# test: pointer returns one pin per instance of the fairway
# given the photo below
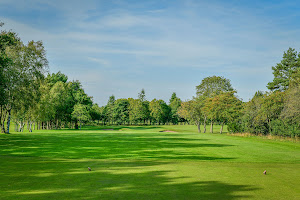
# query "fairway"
(143, 162)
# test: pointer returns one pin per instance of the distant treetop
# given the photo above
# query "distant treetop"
(213, 85)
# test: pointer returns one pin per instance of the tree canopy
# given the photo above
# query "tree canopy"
(213, 85)
(284, 71)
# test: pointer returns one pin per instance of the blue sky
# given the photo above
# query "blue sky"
(164, 46)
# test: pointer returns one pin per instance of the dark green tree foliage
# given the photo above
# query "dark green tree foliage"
(271, 108)
(53, 78)
(145, 106)
(159, 111)
(284, 70)
(110, 108)
(121, 111)
(262, 113)
(174, 104)
(136, 108)
(95, 112)
(252, 121)
(142, 95)
(213, 85)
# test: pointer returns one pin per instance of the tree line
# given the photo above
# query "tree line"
(30, 96)
(275, 112)
(138, 111)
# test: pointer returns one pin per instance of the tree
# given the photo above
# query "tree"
(45, 107)
(284, 70)
(271, 107)
(81, 113)
(224, 107)
(213, 85)
(145, 106)
(142, 95)
(192, 111)
(291, 109)
(121, 111)
(174, 104)
(159, 111)
(136, 108)
(252, 121)
(59, 98)
(24, 65)
(110, 108)
(95, 112)
(8, 41)
(206, 91)
(54, 78)
(211, 110)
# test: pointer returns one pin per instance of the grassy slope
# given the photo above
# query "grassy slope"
(143, 163)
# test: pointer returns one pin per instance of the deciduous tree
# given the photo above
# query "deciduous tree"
(213, 85)
(81, 113)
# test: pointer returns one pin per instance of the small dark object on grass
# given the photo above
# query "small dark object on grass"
(89, 169)
(265, 172)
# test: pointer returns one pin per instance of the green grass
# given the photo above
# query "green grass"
(144, 163)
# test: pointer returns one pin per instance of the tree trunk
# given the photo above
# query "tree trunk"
(3, 117)
(8, 121)
(211, 126)
(270, 129)
(30, 126)
(22, 124)
(198, 126)
(76, 125)
(221, 130)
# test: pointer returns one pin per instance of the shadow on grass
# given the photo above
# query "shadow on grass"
(109, 146)
(34, 178)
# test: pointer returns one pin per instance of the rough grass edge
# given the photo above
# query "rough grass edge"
(269, 137)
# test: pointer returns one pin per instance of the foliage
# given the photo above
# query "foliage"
(22, 67)
(284, 70)
(159, 111)
(142, 95)
(121, 112)
(192, 111)
(213, 85)
(95, 112)
(174, 104)
(81, 113)
(291, 109)
(224, 107)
